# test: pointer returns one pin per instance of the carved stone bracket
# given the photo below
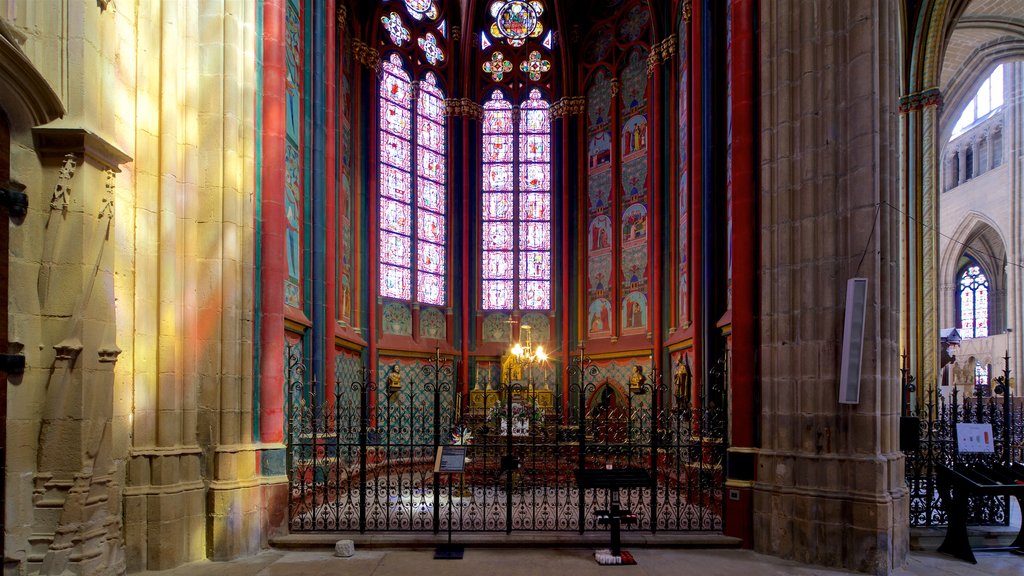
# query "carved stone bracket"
(687, 12)
(456, 33)
(68, 349)
(108, 354)
(366, 54)
(463, 107)
(569, 106)
(919, 100)
(57, 144)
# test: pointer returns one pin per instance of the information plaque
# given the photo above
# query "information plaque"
(450, 460)
(974, 438)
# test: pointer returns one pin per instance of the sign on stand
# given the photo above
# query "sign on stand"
(450, 460)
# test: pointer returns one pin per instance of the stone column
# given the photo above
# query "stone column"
(164, 499)
(830, 487)
(223, 329)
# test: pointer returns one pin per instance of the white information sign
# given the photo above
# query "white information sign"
(974, 438)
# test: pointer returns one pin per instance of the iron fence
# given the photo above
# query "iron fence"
(361, 454)
(936, 421)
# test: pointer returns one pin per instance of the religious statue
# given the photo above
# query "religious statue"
(395, 379)
(681, 381)
(637, 379)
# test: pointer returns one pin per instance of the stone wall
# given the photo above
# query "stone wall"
(132, 292)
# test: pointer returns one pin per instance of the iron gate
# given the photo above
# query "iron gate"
(361, 455)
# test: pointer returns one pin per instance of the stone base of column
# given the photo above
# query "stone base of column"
(854, 529)
(235, 521)
(164, 510)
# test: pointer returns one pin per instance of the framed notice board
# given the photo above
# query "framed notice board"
(450, 459)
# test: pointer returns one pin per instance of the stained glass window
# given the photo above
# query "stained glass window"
(393, 24)
(395, 131)
(516, 20)
(980, 374)
(431, 201)
(431, 50)
(498, 204)
(973, 302)
(412, 164)
(516, 212)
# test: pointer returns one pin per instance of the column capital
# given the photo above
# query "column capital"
(918, 100)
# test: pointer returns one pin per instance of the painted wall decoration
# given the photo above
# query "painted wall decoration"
(496, 328)
(617, 243)
(635, 23)
(599, 317)
(294, 196)
(634, 266)
(634, 192)
(683, 191)
(346, 198)
(599, 236)
(634, 313)
(396, 318)
(432, 324)
(600, 232)
(599, 273)
(539, 325)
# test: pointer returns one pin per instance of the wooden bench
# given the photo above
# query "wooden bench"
(962, 481)
(613, 480)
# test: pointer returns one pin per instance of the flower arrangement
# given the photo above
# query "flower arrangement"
(522, 417)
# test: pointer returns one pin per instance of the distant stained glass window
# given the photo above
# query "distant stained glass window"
(516, 21)
(973, 302)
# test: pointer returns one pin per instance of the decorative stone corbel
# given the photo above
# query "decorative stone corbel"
(456, 33)
(68, 349)
(569, 106)
(108, 354)
(365, 54)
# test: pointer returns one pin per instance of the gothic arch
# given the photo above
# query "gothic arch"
(979, 238)
(931, 25)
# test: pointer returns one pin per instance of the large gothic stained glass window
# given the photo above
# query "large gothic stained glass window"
(973, 301)
(412, 157)
(516, 234)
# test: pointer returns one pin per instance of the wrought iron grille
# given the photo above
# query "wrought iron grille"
(938, 417)
(361, 454)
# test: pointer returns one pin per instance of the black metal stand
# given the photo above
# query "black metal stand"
(449, 552)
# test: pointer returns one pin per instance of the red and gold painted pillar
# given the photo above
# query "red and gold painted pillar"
(741, 458)
(272, 229)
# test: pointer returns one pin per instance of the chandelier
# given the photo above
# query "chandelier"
(522, 355)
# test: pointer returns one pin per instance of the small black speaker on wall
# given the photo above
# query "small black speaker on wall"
(853, 340)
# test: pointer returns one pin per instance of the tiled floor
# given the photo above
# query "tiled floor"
(569, 562)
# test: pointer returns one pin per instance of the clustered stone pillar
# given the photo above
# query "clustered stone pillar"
(830, 486)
